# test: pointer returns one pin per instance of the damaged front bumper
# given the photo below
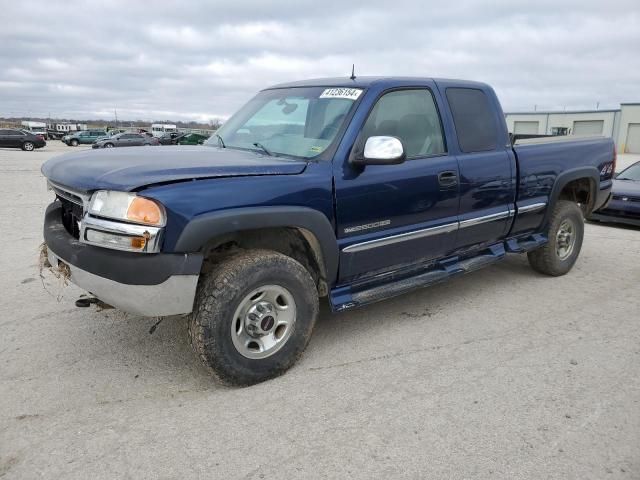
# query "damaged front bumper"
(159, 284)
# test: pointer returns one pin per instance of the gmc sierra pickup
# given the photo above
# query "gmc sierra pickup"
(351, 189)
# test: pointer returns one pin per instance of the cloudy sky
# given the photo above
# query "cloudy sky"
(199, 60)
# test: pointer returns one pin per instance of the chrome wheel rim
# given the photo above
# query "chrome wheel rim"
(565, 239)
(108, 145)
(263, 322)
(28, 146)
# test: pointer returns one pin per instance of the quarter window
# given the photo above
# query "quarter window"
(474, 120)
(411, 116)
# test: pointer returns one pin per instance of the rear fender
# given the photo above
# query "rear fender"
(590, 173)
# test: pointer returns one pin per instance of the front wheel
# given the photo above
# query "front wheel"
(74, 143)
(28, 146)
(108, 145)
(253, 316)
(566, 232)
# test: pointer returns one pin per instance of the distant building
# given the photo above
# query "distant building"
(623, 124)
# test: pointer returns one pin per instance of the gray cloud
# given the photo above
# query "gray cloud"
(201, 60)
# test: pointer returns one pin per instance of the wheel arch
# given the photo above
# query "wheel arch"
(577, 184)
(303, 233)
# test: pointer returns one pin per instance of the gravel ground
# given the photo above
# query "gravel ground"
(502, 373)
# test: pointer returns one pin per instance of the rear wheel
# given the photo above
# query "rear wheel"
(566, 232)
(28, 146)
(253, 316)
(108, 145)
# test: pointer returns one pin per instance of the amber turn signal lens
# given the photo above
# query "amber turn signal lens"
(138, 242)
(146, 211)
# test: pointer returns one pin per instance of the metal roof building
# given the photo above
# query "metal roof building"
(623, 124)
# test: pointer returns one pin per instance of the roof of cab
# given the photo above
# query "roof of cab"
(365, 82)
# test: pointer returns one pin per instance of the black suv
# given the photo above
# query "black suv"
(20, 139)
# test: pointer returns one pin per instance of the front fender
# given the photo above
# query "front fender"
(203, 228)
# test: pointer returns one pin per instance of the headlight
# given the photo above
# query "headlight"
(127, 207)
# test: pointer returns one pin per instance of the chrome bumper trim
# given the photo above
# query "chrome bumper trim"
(152, 234)
(174, 296)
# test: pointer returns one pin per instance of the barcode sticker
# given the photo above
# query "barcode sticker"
(348, 93)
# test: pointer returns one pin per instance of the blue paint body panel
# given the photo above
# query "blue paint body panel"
(395, 226)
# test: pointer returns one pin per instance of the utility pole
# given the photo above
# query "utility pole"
(115, 112)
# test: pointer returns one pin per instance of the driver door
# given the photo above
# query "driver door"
(389, 216)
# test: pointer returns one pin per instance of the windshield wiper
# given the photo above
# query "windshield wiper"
(263, 148)
(220, 141)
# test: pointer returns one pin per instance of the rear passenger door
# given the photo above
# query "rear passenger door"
(487, 167)
(391, 216)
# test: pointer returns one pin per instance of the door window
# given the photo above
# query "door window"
(411, 116)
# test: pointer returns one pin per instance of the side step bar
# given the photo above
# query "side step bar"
(396, 283)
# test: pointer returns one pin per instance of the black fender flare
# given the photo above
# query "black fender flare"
(570, 175)
(206, 227)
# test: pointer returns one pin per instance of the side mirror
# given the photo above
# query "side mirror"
(382, 151)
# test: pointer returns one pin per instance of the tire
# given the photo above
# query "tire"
(566, 233)
(220, 320)
(74, 143)
(28, 146)
(108, 145)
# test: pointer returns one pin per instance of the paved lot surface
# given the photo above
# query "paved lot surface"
(503, 373)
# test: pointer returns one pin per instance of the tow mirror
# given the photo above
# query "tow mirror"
(382, 150)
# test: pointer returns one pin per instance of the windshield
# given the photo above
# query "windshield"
(296, 122)
(631, 173)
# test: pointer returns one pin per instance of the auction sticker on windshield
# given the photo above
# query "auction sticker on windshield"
(348, 93)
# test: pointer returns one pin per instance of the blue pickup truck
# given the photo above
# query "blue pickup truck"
(352, 189)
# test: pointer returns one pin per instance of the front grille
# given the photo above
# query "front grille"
(74, 204)
(66, 195)
(71, 215)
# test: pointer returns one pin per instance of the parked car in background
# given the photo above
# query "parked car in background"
(84, 137)
(624, 206)
(127, 140)
(13, 138)
(37, 128)
(192, 139)
(110, 133)
(170, 138)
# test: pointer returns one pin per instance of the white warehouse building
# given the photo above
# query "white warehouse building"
(623, 124)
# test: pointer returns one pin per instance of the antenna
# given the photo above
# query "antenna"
(353, 71)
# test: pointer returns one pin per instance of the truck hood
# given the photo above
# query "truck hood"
(130, 168)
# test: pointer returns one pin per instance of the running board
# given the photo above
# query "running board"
(397, 283)
(525, 244)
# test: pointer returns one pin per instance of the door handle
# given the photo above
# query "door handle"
(448, 178)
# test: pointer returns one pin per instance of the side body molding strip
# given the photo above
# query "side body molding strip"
(426, 232)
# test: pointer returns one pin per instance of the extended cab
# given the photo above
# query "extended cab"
(351, 189)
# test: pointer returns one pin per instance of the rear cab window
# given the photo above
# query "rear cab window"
(473, 118)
